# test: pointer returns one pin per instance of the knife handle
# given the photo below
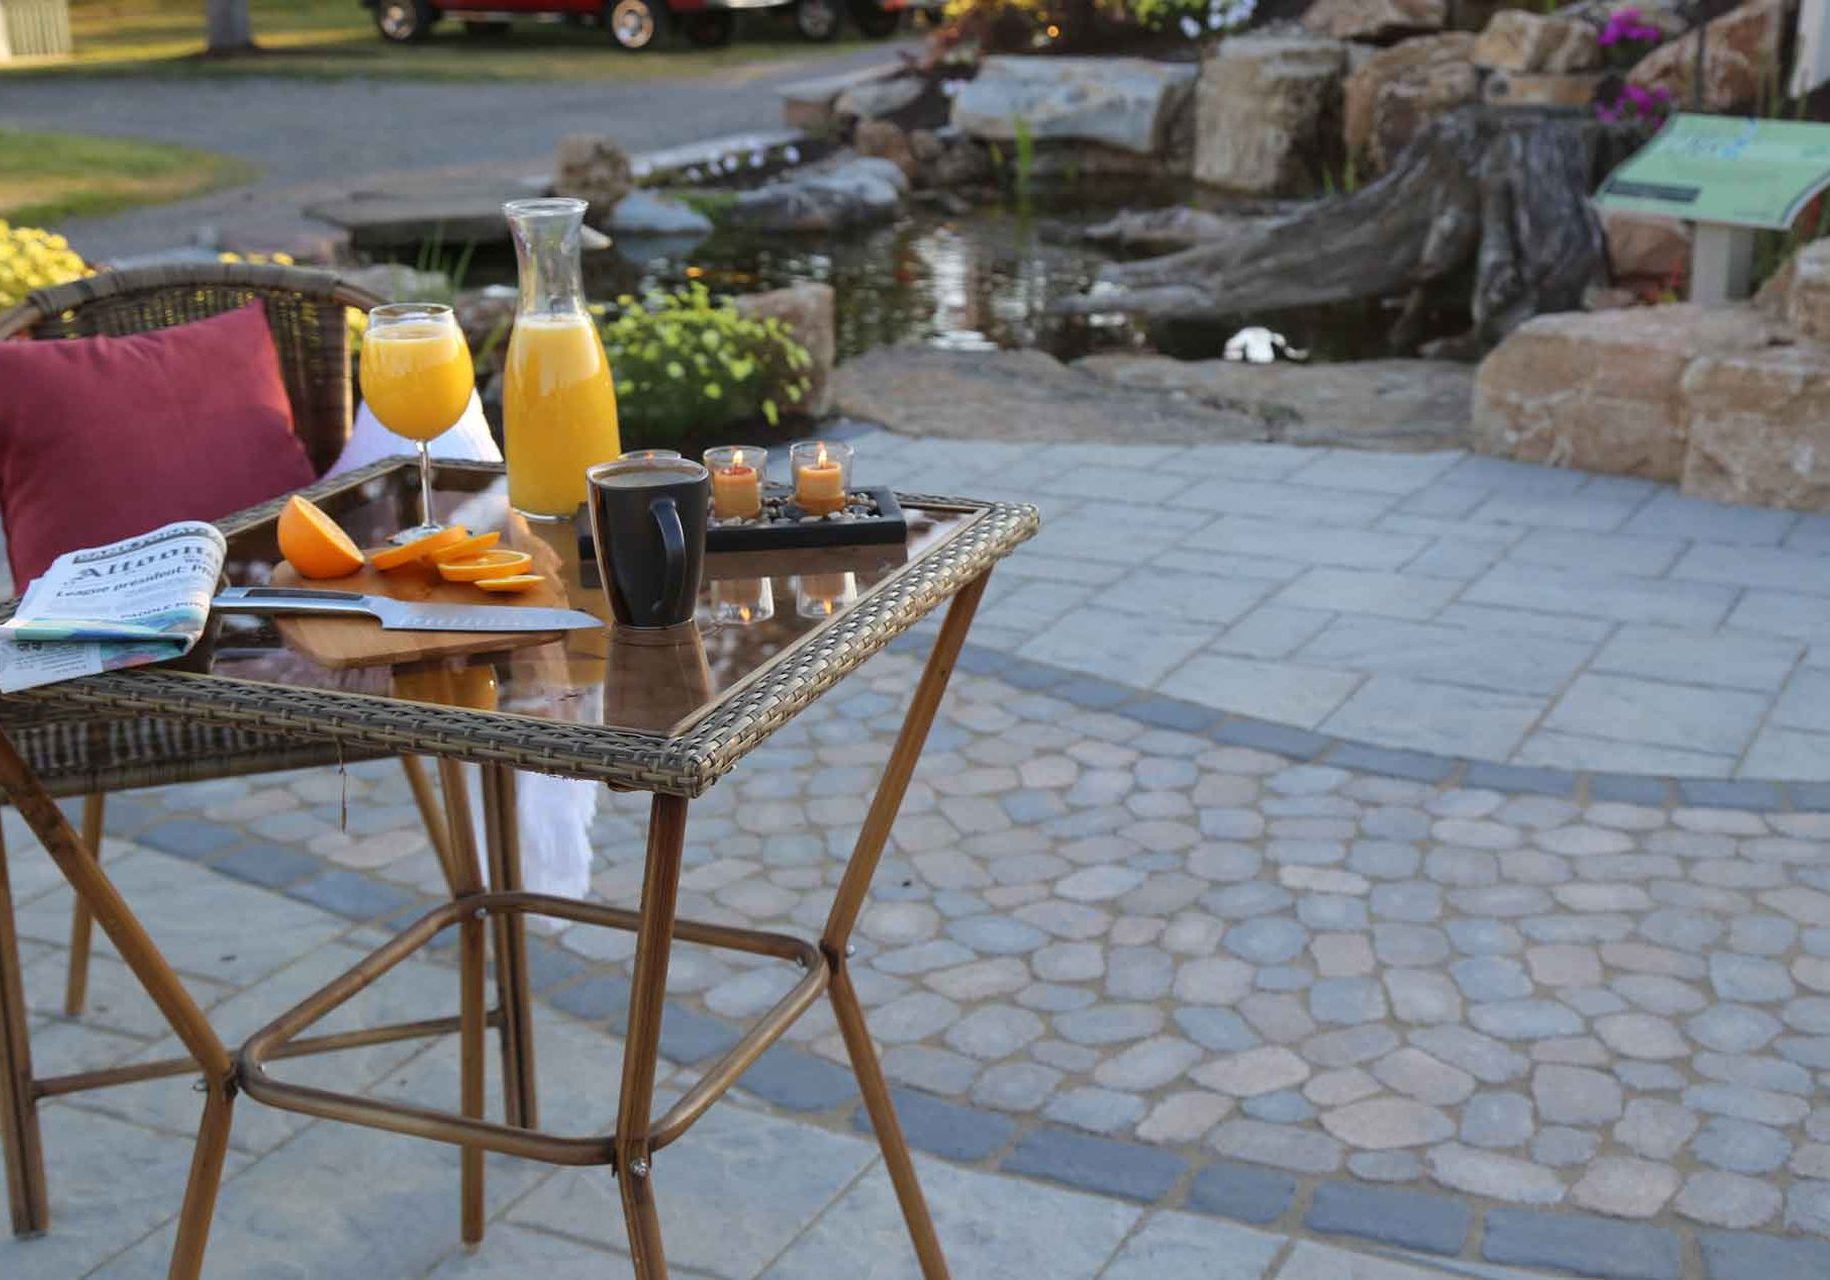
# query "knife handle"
(289, 600)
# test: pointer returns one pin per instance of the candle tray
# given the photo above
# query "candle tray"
(872, 516)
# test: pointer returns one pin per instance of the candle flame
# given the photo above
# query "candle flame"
(820, 461)
(737, 458)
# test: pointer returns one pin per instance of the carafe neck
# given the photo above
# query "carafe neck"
(548, 242)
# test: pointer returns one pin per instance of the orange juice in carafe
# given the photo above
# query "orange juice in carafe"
(558, 402)
(558, 412)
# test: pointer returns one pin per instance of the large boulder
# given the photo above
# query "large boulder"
(1371, 74)
(1603, 391)
(1263, 111)
(1375, 19)
(855, 191)
(1375, 404)
(1646, 246)
(1541, 89)
(1740, 55)
(1520, 41)
(1410, 104)
(816, 105)
(1369, 404)
(1799, 292)
(808, 311)
(1126, 103)
(1759, 425)
(595, 169)
(887, 141)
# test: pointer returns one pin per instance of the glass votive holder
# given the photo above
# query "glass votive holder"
(647, 455)
(742, 602)
(820, 595)
(737, 476)
(822, 475)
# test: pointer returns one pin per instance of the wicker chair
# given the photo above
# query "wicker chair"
(92, 757)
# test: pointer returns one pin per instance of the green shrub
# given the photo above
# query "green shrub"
(684, 362)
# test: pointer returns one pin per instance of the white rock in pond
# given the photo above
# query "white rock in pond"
(1126, 103)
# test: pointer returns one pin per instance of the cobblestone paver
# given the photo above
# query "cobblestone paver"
(1089, 923)
(1448, 603)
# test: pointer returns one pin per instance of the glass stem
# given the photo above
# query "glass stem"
(425, 483)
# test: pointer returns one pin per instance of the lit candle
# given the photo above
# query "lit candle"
(820, 474)
(737, 472)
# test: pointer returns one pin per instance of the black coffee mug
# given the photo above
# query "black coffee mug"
(648, 519)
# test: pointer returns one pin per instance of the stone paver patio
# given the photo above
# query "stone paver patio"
(1446, 603)
(1192, 966)
(753, 1191)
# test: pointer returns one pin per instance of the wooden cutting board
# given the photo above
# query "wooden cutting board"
(338, 643)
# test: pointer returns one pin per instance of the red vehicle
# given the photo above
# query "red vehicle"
(636, 24)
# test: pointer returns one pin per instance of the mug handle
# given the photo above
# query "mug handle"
(673, 602)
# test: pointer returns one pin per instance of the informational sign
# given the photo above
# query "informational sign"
(1728, 170)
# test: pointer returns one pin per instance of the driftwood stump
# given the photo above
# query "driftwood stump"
(1498, 196)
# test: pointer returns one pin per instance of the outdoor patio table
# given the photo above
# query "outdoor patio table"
(668, 720)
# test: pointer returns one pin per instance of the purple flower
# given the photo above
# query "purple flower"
(1627, 26)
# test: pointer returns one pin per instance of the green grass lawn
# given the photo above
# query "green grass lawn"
(45, 177)
(335, 39)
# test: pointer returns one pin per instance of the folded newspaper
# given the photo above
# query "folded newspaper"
(143, 599)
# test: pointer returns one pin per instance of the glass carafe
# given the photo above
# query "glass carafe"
(558, 403)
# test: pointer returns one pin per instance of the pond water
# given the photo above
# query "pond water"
(985, 279)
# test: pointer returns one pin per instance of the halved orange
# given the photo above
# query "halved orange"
(314, 544)
(513, 583)
(473, 545)
(411, 552)
(491, 564)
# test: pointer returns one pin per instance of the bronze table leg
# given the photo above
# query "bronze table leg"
(141, 955)
(647, 995)
(502, 835)
(21, 1150)
(849, 901)
(466, 880)
(76, 981)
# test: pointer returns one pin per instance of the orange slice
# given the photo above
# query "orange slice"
(512, 583)
(475, 544)
(314, 544)
(411, 552)
(491, 564)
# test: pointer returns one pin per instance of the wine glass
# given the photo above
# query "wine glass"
(417, 380)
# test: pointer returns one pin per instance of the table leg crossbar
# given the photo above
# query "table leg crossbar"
(502, 907)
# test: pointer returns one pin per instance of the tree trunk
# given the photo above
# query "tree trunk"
(1501, 195)
(230, 28)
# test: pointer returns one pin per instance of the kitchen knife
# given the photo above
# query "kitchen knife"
(403, 615)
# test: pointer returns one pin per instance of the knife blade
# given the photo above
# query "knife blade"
(403, 615)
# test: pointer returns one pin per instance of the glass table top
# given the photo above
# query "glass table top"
(754, 607)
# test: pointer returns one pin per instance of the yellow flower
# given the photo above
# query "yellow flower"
(34, 259)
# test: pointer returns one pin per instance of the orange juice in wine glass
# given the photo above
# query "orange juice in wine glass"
(417, 380)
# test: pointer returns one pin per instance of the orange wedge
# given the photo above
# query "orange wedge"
(491, 564)
(412, 552)
(512, 583)
(475, 544)
(314, 544)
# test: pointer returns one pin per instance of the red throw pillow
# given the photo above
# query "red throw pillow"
(103, 438)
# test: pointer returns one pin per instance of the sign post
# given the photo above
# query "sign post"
(1731, 176)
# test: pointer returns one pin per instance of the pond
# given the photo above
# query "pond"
(983, 279)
